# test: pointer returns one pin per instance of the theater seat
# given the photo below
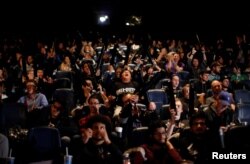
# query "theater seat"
(44, 143)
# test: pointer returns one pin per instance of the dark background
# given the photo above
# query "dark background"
(158, 16)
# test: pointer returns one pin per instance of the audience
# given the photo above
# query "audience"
(29, 78)
(97, 146)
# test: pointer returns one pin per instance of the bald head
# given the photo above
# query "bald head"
(216, 86)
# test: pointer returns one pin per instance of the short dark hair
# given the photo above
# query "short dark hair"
(63, 104)
(95, 96)
(154, 125)
(197, 115)
(31, 81)
(204, 72)
(101, 119)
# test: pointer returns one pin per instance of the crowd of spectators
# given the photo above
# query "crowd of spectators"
(110, 78)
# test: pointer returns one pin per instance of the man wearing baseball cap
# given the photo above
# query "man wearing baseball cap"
(220, 115)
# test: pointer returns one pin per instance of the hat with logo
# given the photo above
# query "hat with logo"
(224, 97)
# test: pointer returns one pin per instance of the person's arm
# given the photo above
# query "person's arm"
(21, 100)
(106, 138)
(86, 134)
(43, 101)
(171, 125)
(104, 97)
(173, 152)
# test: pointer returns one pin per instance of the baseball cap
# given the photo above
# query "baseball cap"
(224, 97)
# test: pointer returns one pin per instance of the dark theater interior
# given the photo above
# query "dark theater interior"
(124, 82)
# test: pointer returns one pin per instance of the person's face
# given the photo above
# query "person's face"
(30, 88)
(186, 92)
(60, 46)
(67, 60)
(179, 109)
(89, 84)
(105, 57)
(160, 135)
(221, 60)
(43, 50)
(118, 72)
(39, 73)
(225, 83)
(195, 62)
(126, 76)
(216, 87)
(205, 77)
(175, 81)
(55, 109)
(94, 106)
(199, 126)
(87, 49)
(98, 129)
(217, 69)
(31, 75)
(150, 71)
(163, 51)
(86, 69)
(29, 59)
(176, 57)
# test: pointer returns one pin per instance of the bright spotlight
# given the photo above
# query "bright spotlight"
(103, 20)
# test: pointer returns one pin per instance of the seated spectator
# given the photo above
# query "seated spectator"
(176, 86)
(150, 115)
(50, 115)
(66, 64)
(126, 86)
(220, 114)
(238, 78)
(201, 86)
(96, 145)
(216, 88)
(215, 72)
(195, 143)
(178, 119)
(226, 84)
(94, 107)
(53, 116)
(32, 99)
(186, 99)
(158, 149)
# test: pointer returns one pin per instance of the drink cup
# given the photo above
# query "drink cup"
(10, 160)
(244, 123)
(119, 129)
(68, 159)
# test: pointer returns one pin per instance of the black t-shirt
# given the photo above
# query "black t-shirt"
(121, 88)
